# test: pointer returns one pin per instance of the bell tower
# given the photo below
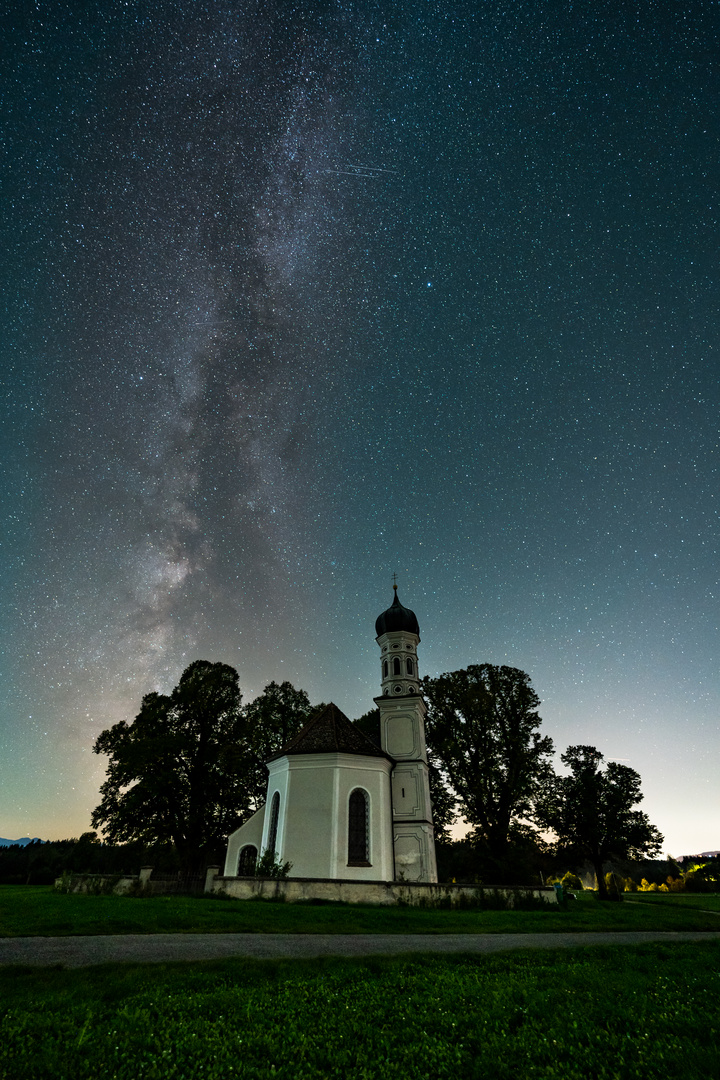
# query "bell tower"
(402, 737)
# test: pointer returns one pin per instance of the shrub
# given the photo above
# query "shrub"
(615, 884)
(269, 866)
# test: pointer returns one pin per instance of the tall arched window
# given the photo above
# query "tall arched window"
(274, 815)
(358, 829)
(396, 666)
(385, 669)
(247, 861)
(409, 665)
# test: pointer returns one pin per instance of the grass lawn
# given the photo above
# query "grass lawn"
(707, 901)
(607, 1013)
(37, 910)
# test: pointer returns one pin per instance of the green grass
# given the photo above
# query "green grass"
(706, 901)
(37, 910)
(609, 1013)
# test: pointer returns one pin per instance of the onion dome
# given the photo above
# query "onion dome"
(396, 618)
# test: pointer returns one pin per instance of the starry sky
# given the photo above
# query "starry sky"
(297, 296)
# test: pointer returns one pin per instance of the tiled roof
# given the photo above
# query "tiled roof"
(330, 732)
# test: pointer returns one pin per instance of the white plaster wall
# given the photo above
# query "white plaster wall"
(373, 776)
(414, 853)
(317, 790)
(307, 836)
(278, 780)
(402, 725)
(250, 832)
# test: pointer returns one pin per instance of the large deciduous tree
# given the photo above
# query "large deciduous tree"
(190, 768)
(484, 746)
(271, 720)
(591, 811)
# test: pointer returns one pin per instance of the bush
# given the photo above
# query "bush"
(615, 885)
(269, 866)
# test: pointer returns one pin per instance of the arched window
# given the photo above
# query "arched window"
(274, 815)
(247, 861)
(358, 829)
(385, 669)
(396, 666)
(409, 665)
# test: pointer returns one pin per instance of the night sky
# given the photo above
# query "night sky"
(298, 296)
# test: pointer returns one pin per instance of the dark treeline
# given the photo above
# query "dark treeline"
(40, 863)
(528, 862)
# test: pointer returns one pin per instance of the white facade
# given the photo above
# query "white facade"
(347, 809)
(313, 819)
(402, 736)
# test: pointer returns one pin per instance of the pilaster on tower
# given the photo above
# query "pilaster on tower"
(402, 736)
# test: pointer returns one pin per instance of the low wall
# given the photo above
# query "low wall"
(329, 890)
(385, 893)
(97, 884)
(141, 885)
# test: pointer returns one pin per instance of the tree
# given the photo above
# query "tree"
(190, 768)
(271, 721)
(369, 724)
(591, 812)
(485, 750)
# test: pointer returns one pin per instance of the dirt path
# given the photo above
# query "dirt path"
(75, 952)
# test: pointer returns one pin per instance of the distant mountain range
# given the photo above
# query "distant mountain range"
(22, 841)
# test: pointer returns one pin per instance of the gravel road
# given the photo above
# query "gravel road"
(74, 952)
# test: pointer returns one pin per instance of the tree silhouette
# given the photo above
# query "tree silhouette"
(591, 812)
(485, 750)
(190, 767)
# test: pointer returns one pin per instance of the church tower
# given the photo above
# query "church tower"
(402, 737)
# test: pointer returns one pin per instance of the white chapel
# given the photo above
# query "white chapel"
(340, 806)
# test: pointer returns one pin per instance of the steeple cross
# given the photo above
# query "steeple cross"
(395, 582)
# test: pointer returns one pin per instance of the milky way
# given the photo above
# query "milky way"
(299, 297)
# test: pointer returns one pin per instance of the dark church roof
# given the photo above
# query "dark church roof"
(396, 617)
(330, 732)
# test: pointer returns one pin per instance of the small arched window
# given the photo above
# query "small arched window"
(247, 861)
(409, 665)
(396, 666)
(385, 669)
(358, 829)
(274, 815)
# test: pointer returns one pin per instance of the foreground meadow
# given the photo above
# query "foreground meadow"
(609, 1013)
(37, 910)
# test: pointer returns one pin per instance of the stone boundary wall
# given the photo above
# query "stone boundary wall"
(97, 884)
(383, 893)
(124, 884)
(329, 890)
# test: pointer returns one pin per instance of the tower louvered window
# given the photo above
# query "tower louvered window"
(409, 665)
(358, 829)
(274, 815)
(396, 666)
